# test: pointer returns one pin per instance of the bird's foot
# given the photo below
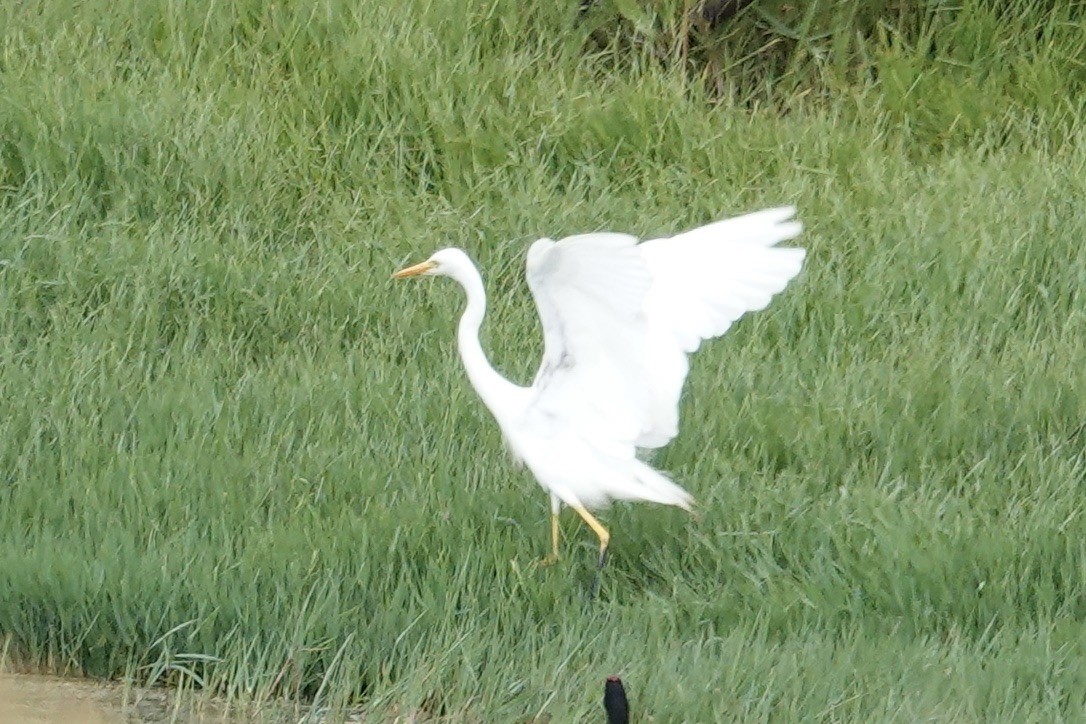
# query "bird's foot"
(548, 560)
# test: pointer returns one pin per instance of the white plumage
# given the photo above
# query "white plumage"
(619, 321)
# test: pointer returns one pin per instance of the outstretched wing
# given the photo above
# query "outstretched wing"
(702, 281)
(590, 291)
(619, 319)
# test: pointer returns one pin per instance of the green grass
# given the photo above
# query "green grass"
(234, 454)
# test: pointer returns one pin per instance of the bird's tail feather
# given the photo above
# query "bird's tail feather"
(652, 486)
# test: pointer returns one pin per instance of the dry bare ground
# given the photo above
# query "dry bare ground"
(41, 699)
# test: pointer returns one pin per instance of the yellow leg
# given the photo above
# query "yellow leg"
(553, 557)
(600, 530)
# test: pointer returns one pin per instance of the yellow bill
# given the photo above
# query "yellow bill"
(415, 270)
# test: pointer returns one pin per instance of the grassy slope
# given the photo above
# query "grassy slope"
(226, 434)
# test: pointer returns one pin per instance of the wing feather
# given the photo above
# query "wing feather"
(619, 320)
(590, 291)
(704, 280)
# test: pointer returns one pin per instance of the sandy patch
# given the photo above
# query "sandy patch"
(41, 699)
(32, 699)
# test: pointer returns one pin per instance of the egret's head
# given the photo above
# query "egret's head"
(447, 262)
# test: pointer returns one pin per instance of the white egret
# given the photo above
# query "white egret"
(619, 319)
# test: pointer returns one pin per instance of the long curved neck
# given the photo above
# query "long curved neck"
(496, 391)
